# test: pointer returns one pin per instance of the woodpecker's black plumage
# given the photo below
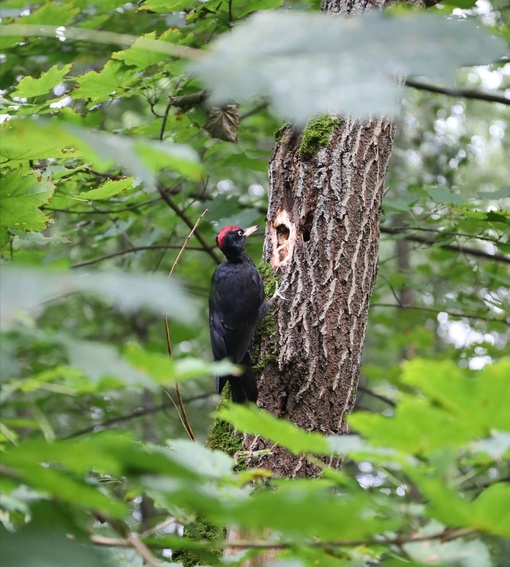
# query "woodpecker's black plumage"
(236, 304)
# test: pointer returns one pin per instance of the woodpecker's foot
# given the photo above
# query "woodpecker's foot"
(278, 294)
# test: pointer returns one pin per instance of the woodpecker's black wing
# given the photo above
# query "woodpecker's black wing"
(235, 298)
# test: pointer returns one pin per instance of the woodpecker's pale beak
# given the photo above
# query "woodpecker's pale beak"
(251, 230)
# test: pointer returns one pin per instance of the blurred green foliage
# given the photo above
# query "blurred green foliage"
(107, 161)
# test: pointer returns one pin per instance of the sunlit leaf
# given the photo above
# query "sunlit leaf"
(98, 86)
(21, 196)
(139, 56)
(259, 422)
(57, 139)
(109, 189)
(29, 87)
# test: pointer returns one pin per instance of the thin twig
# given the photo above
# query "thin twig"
(453, 247)
(143, 550)
(133, 415)
(131, 251)
(165, 118)
(103, 211)
(183, 216)
(445, 535)
(463, 93)
(384, 399)
(181, 419)
(158, 527)
(406, 228)
(186, 241)
(183, 415)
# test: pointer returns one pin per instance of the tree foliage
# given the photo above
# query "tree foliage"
(110, 153)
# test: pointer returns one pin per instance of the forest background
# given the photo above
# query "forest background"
(111, 155)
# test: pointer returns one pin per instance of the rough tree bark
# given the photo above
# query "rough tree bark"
(322, 240)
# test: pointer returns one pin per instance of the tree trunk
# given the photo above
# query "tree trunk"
(322, 241)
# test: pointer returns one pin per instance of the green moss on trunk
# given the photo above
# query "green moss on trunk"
(316, 135)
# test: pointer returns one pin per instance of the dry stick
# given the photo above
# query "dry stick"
(184, 217)
(186, 426)
(183, 415)
(186, 242)
(143, 550)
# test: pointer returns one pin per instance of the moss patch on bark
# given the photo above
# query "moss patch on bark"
(316, 135)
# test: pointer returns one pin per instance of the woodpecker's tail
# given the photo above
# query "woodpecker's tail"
(243, 387)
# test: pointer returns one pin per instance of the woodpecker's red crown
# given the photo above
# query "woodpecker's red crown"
(223, 233)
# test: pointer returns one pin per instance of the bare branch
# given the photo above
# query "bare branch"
(463, 93)
(143, 550)
(445, 535)
(372, 394)
(453, 247)
(132, 251)
(450, 313)
(133, 415)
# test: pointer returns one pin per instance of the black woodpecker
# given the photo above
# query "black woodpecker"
(236, 305)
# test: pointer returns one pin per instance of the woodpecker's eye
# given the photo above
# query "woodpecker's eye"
(240, 232)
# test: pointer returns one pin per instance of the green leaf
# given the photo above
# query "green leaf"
(502, 193)
(29, 87)
(157, 365)
(112, 80)
(21, 196)
(497, 446)
(203, 461)
(141, 57)
(109, 189)
(43, 142)
(24, 289)
(164, 155)
(479, 403)
(259, 422)
(54, 548)
(52, 14)
(416, 428)
(491, 510)
(441, 194)
(245, 7)
(293, 59)
(98, 361)
(167, 6)
(58, 139)
(468, 553)
(464, 4)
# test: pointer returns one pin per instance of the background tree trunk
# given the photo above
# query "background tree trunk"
(322, 240)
